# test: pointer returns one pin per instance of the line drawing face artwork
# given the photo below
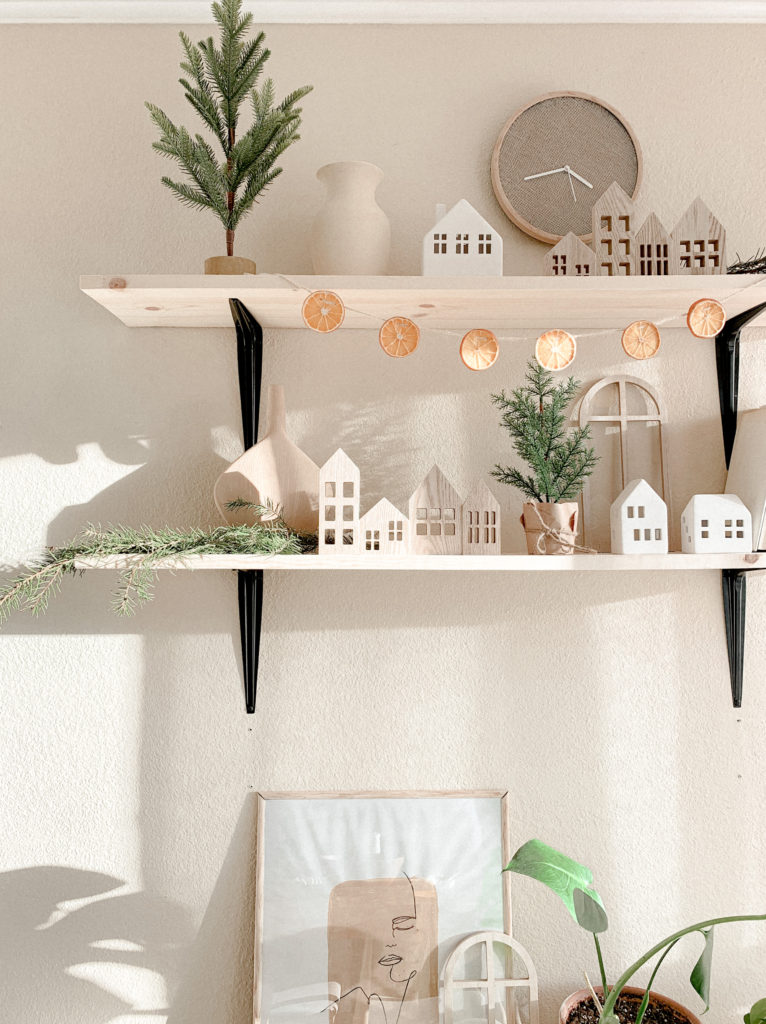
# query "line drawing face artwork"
(382, 941)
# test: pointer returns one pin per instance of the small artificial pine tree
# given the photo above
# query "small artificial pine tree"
(219, 81)
(535, 417)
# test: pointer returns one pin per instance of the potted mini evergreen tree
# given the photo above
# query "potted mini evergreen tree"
(217, 80)
(558, 457)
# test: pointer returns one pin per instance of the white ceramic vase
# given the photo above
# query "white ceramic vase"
(350, 234)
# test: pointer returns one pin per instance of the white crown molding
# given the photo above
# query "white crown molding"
(389, 11)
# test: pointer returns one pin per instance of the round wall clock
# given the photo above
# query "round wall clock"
(555, 157)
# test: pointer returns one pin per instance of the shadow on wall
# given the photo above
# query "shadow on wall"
(76, 963)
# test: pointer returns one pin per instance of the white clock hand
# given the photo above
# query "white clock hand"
(571, 183)
(544, 174)
(576, 175)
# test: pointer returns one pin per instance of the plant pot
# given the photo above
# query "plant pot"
(229, 265)
(584, 996)
(558, 516)
(350, 234)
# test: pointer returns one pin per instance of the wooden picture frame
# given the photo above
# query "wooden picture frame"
(314, 855)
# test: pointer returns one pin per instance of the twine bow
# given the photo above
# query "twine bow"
(560, 535)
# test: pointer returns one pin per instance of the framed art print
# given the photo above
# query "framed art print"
(360, 898)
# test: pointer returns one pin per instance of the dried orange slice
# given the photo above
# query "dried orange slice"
(555, 350)
(399, 336)
(641, 339)
(479, 349)
(323, 312)
(705, 318)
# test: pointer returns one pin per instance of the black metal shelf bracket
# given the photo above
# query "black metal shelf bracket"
(733, 581)
(249, 581)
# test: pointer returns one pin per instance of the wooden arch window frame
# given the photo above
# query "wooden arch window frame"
(654, 412)
(498, 989)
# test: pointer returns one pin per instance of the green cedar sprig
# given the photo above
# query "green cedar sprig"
(217, 80)
(535, 417)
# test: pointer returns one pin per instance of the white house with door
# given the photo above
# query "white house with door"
(481, 522)
(339, 506)
(716, 522)
(436, 517)
(639, 521)
(462, 243)
(384, 530)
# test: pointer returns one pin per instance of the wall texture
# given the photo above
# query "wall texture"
(601, 704)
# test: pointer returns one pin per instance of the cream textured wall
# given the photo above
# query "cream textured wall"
(601, 703)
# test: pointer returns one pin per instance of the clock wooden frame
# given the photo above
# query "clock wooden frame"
(506, 205)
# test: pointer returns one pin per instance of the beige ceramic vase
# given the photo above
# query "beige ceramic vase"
(558, 516)
(350, 234)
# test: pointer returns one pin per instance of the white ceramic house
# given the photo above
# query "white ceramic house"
(384, 530)
(436, 517)
(481, 522)
(462, 243)
(639, 521)
(716, 522)
(339, 506)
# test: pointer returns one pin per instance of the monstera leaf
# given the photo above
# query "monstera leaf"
(571, 881)
(700, 976)
(757, 1013)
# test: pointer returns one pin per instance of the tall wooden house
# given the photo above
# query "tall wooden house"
(570, 257)
(698, 242)
(481, 522)
(614, 232)
(339, 505)
(436, 517)
(653, 247)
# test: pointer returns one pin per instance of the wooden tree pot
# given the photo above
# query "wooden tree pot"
(584, 996)
(558, 516)
(229, 265)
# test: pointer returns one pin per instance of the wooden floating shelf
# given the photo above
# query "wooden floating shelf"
(446, 563)
(445, 303)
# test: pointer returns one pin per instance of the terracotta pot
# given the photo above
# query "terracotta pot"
(559, 516)
(584, 996)
(350, 234)
(229, 265)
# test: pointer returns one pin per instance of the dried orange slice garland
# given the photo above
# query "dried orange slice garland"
(398, 336)
(323, 312)
(479, 349)
(555, 350)
(705, 318)
(641, 339)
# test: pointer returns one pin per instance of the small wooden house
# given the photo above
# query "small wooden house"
(481, 522)
(639, 521)
(436, 517)
(653, 248)
(462, 243)
(384, 530)
(570, 257)
(716, 522)
(339, 505)
(698, 242)
(614, 232)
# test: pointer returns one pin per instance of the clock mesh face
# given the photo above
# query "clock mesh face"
(550, 134)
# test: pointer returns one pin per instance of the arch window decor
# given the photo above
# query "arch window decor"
(624, 389)
(475, 967)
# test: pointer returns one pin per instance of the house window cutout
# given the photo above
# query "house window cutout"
(641, 511)
(421, 513)
(704, 534)
(440, 244)
(421, 529)
(372, 540)
(631, 511)
(329, 513)
(559, 265)
(606, 223)
(434, 513)
(329, 489)
(624, 220)
(436, 529)
(449, 513)
(348, 488)
(485, 245)
(449, 529)
(647, 534)
(636, 535)
(607, 269)
(740, 534)
(625, 267)
(348, 513)
(348, 537)
(461, 245)
(658, 534)
(329, 536)
(704, 522)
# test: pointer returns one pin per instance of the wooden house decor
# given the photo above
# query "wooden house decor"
(698, 242)
(384, 530)
(487, 979)
(614, 232)
(481, 522)
(653, 248)
(653, 411)
(716, 523)
(639, 521)
(436, 517)
(339, 506)
(570, 257)
(462, 243)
